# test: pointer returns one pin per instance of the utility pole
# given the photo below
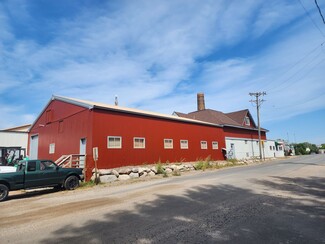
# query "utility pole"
(258, 102)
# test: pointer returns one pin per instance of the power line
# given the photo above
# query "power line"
(320, 12)
(311, 18)
(284, 84)
(298, 104)
(313, 58)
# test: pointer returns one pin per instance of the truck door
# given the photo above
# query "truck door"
(48, 174)
(31, 175)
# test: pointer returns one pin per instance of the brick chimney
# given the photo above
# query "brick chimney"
(200, 101)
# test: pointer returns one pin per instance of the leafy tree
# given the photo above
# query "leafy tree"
(323, 146)
(305, 148)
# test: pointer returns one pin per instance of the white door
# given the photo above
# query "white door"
(82, 151)
(33, 151)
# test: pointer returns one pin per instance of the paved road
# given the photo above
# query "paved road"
(276, 202)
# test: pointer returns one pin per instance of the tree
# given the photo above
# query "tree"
(305, 148)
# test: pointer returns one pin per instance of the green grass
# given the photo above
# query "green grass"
(203, 164)
(160, 169)
(86, 184)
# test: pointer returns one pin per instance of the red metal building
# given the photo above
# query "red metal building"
(123, 136)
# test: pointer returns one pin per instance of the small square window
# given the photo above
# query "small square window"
(139, 142)
(215, 145)
(204, 145)
(168, 143)
(114, 142)
(52, 148)
(184, 144)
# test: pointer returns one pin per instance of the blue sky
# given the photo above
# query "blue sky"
(156, 55)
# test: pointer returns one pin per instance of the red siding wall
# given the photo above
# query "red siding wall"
(242, 133)
(154, 130)
(63, 124)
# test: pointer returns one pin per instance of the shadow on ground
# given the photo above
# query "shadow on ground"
(214, 214)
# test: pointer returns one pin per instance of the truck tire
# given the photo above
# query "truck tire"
(4, 191)
(71, 183)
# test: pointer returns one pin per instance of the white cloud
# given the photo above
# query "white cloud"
(275, 14)
(152, 55)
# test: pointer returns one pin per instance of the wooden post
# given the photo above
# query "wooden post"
(95, 156)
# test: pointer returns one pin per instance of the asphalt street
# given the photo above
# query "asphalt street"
(274, 202)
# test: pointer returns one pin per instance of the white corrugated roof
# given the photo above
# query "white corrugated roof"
(92, 105)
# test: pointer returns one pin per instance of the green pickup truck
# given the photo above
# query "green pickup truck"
(37, 174)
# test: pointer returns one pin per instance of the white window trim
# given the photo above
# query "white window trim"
(204, 145)
(214, 147)
(182, 145)
(114, 147)
(139, 147)
(52, 148)
(247, 121)
(167, 146)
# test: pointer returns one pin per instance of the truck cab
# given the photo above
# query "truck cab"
(39, 173)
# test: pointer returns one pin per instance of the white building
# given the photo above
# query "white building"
(13, 143)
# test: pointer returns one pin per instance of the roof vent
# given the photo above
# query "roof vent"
(116, 100)
(200, 101)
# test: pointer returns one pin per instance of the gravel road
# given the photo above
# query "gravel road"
(274, 202)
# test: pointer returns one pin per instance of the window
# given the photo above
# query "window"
(271, 148)
(245, 141)
(184, 144)
(31, 166)
(204, 145)
(139, 142)
(247, 155)
(168, 143)
(215, 145)
(247, 121)
(47, 165)
(114, 142)
(280, 148)
(52, 148)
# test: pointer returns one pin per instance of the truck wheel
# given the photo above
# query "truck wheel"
(71, 183)
(4, 191)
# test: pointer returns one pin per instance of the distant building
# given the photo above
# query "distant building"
(13, 143)
(240, 131)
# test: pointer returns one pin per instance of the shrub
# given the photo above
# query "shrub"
(160, 169)
(202, 165)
